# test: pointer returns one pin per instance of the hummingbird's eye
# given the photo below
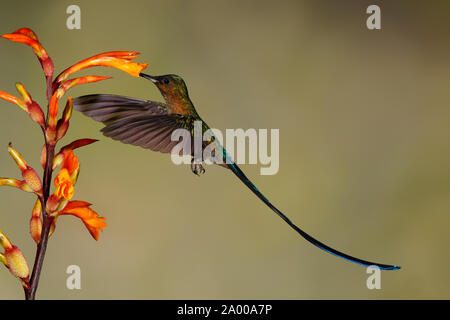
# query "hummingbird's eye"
(166, 81)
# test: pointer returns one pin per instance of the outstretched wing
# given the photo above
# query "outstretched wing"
(133, 121)
(108, 108)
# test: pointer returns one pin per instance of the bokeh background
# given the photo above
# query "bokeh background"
(364, 150)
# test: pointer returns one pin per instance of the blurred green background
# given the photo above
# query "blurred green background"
(364, 150)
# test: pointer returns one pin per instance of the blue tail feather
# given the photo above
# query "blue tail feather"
(237, 171)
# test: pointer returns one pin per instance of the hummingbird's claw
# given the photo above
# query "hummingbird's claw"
(197, 168)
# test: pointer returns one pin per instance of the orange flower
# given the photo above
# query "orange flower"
(27, 104)
(38, 49)
(90, 218)
(127, 55)
(22, 185)
(70, 162)
(63, 123)
(59, 158)
(28, 37)
(63, 88)
(13, 99)
(64, 185)
(68, 84)
(116, 59)
(33, 109)
(67, 177)
(29, 175)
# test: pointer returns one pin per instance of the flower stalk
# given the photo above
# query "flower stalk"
(50, 205)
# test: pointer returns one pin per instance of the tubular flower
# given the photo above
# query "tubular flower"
(13, 99)
(28, 37)
(32, 108)
(64, 186)
(29, 175)
(90, 218)
(59, 158)
(71, 164)
(63, 88)
(117, 59)
(69, 84)
(27, 104)
(22, 185)
(14, 260)
(63, 123)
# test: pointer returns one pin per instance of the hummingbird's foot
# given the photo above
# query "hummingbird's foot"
(197, 168)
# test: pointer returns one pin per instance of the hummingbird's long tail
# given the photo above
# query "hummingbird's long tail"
(238, 172)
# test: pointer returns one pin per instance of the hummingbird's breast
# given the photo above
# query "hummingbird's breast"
(180, 108)
(180, 105)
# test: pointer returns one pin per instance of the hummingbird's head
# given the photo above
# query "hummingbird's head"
(172, 87)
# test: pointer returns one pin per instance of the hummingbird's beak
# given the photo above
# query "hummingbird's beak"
(146, 76)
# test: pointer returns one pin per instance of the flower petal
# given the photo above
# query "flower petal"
(32, 108)
(20, 161)
(28, 105)
(74, 145)
(13, 99)
(29, 174)
(16, 184)
(28, 32)
(4, 241)
(115, 59)
(21, 38)
(90, 218)
(63, 88)
(68, 84)
(70, 162)
(28, 37)
(128, 55)
(64, 186)
(78, 144)
(63, 123)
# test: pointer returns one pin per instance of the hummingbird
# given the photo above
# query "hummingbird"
(150, 124)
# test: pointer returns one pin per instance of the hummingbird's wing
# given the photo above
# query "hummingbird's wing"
(133, 121)
(108, 108)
